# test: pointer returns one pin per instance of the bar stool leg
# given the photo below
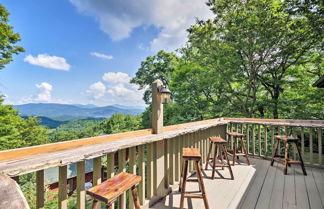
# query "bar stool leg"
(214, 162)
(181, 175)
(228, 162)
(245, 151)
(286, 157)
(301, 159)
(201, 185)
(274, 154)
(95, 204)
(220, 154)
(208, 155)
(234, 150)
(183, 187)
(135, 198)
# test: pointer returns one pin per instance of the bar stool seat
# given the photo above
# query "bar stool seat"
(220, 144)
(287, 161)
(235, 152)
(109, 190)
(187, 155)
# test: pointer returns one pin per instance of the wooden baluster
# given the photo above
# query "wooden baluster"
(293, 129)
(122, 168)
(177, 158)
(248, 138)
(265, 140)
(191, 144)
(303, 142)
(166, 162)
(279, 133)
(236, 130)
(62, 195)
(80, 185)
(259, 139)
(132, 170)
(253, 140)
(150, 160)
(311, 145)
(231, 137)
(40, 189)
(171, 160)
(319, 146)
(96, 176)
(272, 138)
(111, 167)
(141, 187)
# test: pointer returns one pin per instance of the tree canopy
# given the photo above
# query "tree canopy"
(256, 58)
(8, 39)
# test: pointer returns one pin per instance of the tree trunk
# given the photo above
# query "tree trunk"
(275, 100)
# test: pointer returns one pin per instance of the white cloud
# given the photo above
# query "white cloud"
(116, 89)
(118, 77)
(42, 95)
(119, 18)
(97, 89)
(45, 92)
(47, 61)
(102, 56)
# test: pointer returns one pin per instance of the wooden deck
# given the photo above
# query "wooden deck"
(257, 186)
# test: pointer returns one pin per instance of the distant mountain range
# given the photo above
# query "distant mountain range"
(66, 112)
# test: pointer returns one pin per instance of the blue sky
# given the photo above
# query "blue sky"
(86, 51)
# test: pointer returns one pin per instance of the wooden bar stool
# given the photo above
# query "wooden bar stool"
(191, 154)
(235, 152)
(287, 161)
(109, 190)
(220, 144)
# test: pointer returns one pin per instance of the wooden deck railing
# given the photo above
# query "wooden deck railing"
(155, 157)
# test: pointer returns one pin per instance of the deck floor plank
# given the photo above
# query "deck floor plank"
(265, 195)
(256, 186)
(302, 201)
(289, 198)
(319, 180)
(278, 189)
(313, 193)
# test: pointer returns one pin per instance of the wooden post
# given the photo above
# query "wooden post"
(159, 174)
(272, 137)
(157, 109)
(311, 145)
(142, 174)
(62, 196)
(96, 176)
(150, 173)
(320, 146)
(122, 168)
(111, 167)
(302, 142)
(177, 158)
(259, 139)
(132, 170)
(248, 138)
(253, 140)
(80, 185)
(40, 189)
(265, 140)
(171, 150)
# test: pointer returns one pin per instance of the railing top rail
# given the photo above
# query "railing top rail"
(25, 160)
(279, 122)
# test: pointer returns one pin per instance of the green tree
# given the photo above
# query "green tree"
(17, 132)
(159, 66)
(8, 39)
(266, 41)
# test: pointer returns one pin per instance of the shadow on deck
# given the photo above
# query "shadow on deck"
(256, 186)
